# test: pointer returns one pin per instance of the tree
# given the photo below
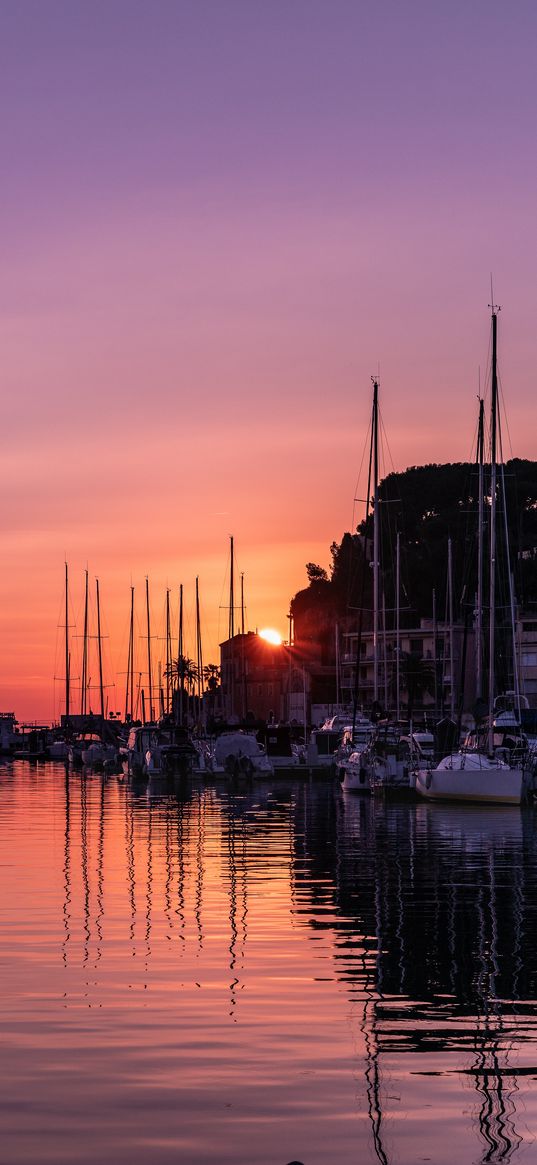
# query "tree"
(315, 573)
(211, 675)
(183, 673)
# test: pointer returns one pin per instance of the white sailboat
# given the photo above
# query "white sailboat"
(487, 769)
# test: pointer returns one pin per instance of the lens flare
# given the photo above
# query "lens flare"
(271, 636)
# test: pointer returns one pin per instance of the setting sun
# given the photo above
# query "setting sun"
(271, 636)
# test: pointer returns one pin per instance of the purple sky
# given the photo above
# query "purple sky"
(218, 220)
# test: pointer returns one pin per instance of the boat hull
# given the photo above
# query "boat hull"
(485, 784)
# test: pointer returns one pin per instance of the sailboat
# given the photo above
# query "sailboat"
(375, 762)
(493, 766)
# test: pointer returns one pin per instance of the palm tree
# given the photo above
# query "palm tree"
(183, 673)
(211, 675)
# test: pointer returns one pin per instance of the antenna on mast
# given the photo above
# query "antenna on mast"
(493, 307)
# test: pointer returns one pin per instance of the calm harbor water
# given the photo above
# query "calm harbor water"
(251, 977)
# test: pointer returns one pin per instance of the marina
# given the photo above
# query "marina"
(286, 971)
(268, 586)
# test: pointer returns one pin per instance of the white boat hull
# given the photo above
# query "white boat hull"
(475, 779)
(355, 781)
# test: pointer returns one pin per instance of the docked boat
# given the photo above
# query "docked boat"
(59, 749)
(97, 754)
(352, 770)
(387, 762)
(239, 754)
(323, 745)
(155, 750)
(473, 776)
(8, 733)
(277, 743)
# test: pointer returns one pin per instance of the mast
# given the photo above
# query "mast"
(180, 655)
(243, 664)
(437, 711)
(480, 532)
(397, 625)
(84, 684)
(231, 593)
(67, 660)
(149, 671)
(100, 651)
(451, 637)
(336, 636)
(362, 595)
(385, 652)
(168, 649)
(512, 598)
(231, 628)
(493, 478)
(199, 660)
(375, 541)
(129, 686)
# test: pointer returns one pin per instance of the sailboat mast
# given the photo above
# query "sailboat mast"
(451, 637)
(129, 686)
(336, 645)
(231, 630)
(480, 532)
(397, 626)
(168, 649)
(67, 660)
(199, 661)
(149, 671)
(84, 683)
(493, 475)
(231, 593)
(100, 650)
(243, 664)
(365, 567)
(375, 542)
(180, 656)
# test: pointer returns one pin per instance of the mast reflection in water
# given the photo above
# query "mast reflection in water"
(263, 974)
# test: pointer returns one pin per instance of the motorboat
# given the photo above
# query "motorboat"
(322, 747)
(160, 750)
(95, 753)
(277, 743)
(240, 754)
(349, 756)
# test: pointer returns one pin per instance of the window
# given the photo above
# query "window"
(416, 646)
(529, 659)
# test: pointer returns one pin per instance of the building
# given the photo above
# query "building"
(430, 681)
(254, 678)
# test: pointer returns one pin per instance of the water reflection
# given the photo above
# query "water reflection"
(448, 895)
(217, 910)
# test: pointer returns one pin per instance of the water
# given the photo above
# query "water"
(255, 977)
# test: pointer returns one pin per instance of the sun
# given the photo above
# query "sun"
(271, 636)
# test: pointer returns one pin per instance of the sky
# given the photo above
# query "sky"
(219, 219)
